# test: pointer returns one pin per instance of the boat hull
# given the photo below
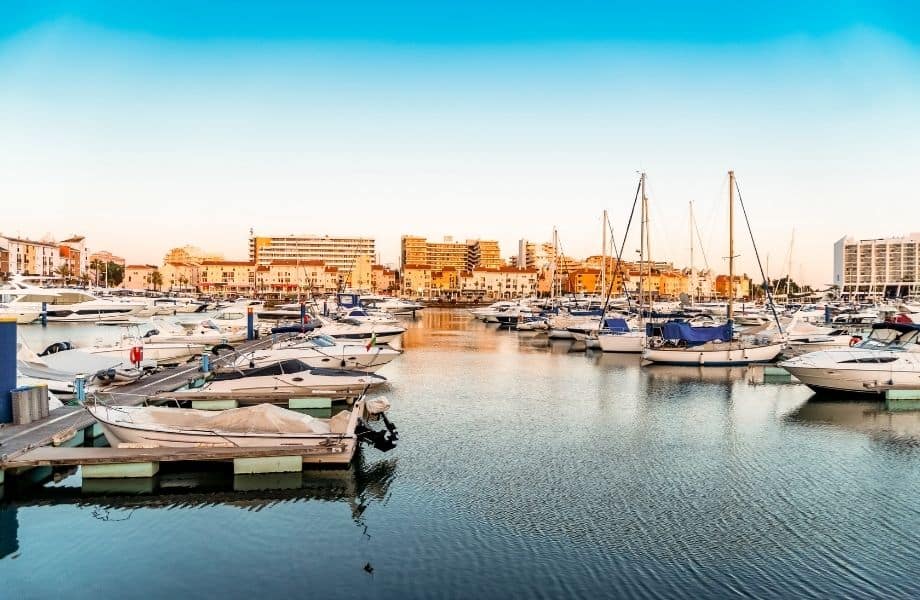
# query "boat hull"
(718, 357)
(627, 342)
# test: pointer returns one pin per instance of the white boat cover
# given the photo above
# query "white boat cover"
(261, 418)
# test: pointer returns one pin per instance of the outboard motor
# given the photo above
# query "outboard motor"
(151, 333)
(56, 347)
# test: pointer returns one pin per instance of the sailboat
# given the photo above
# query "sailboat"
(682, 344)
(618, 336)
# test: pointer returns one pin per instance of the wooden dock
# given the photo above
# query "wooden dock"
(339, 452)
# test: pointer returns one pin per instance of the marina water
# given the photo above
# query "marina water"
(523, 470)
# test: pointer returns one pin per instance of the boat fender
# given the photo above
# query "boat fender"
(56, 347)
(216, 350)
(855, 340)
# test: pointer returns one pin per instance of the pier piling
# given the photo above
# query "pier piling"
(7, 367)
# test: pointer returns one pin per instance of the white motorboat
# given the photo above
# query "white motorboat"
(129, 348)
(321, 351)
(205, 332)
(381, 334)
(888, 358)
(282, 381)
(60, 364)
(490, 314)
(358, 316)
(394, 306)
(254, 426)
(66, 304)
(176, 305)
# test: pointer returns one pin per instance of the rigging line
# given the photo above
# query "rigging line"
(619, 267)
(699, 240)
(766, 284)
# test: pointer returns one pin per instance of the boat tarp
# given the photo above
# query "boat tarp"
(261, 418)
(616, 324)
(694, 336)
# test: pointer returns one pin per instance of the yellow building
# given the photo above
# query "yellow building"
(416, 280)
(360, 277)
(483, 253)
(181, 277)
(137, 277)
(417, 250)
(383, 280)
(190, 255)
(225, 277)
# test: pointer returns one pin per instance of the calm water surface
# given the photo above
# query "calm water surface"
(523, 470)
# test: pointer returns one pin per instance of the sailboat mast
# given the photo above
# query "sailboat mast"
(642, 247)
(692, 270)
(604, 253)
(731, 244)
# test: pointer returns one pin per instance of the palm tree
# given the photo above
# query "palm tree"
(156, 279)
(64, 272)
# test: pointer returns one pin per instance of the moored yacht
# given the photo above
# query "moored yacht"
(888, 358)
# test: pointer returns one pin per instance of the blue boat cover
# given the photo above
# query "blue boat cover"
(617, 325)
(694, 336)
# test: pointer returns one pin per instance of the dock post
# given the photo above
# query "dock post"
(44, 314)
(7, 366)
(205, 363)
(250, 324)
(827, 315)
(303, 313)
(79, 388)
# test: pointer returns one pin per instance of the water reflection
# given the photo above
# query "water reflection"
(899, 427)
(360, 484)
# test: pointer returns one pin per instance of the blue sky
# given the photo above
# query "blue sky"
(147, 127)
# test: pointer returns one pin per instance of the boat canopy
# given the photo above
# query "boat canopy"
(899, 327)
(694, 336)
(616, 325)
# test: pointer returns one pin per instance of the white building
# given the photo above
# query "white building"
(339, 252)
(878, 267)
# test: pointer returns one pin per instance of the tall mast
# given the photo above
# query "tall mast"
(692, 270)
(604, 253)
(789, 270)
(731, 244)
(643, 235)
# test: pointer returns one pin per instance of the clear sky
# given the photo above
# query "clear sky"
(190, 122)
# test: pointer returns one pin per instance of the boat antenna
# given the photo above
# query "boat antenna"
(766, 282)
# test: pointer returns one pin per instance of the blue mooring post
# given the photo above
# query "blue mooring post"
(303, 313)
(250, 324)
(205, 363)
(7, 367)
(44, 314)
(79, 388)
(827, 314)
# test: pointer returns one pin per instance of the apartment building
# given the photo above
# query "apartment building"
(878, 267)
(336, 251)
(31, 257)
(137, 277)
(415, 250)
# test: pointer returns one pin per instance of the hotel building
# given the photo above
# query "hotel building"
(878, 267)
(466, 255)
(339, 252)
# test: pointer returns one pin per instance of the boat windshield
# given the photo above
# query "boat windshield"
(322, 341)
(891, 339)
